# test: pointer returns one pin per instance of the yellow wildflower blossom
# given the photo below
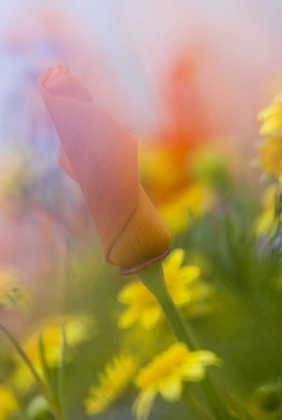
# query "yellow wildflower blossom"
(271, 118)
(13, 292)
(78, 329)
(165, 374)
(116, 377)
(271, 156)
(8, 403)
(192, 202)
(143, 306)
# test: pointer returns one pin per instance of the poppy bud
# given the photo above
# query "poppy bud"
(101, 155)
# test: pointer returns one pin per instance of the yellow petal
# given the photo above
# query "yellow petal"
(182, 297)
(193, 373)
(150, 317)
(271, 127)
(188, 274)
(267, 113)
(130, 292)
(172, 390)
(206, 358)
(128, 318)
(143, 404)
(174, 261)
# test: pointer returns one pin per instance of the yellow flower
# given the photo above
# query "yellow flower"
(271, 117)
(13, 293)
(8, 403)
(190, 203)
(271, 156)
(143, 306)
(165, 374)
(116, 377)
(78, 329)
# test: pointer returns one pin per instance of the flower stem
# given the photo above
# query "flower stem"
(153, 278)
(195, 403)
(39, 381)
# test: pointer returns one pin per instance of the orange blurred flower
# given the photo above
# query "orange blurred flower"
(101, 155)
(179, 145)
(190, 128)
(187, 132)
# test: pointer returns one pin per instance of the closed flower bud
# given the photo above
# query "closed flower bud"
(269, 397)
(38, 409)
(101, 155)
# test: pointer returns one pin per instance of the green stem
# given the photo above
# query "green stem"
(34, 373)
(192, 400)
(61, 372)
(153, 279)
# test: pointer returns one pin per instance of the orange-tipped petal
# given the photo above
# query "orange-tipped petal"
(101, 155)
(145, 235)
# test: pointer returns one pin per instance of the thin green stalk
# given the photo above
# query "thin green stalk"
(183, 333)
(153, 279)
(244, 411)
(198, 407)
(34, 373)
(61, 371)
(46, 370)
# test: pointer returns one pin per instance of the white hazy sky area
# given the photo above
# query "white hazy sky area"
(138, 41)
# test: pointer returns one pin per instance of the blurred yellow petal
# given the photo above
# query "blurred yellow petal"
(194, 373)
(174, 261)
(270, 127)
(172, 390)
(8, 403)
(206, 358)
(114, 381)
(271, 118)
(150, 317)
(188, 274)
(266, 113)
(194, 201)
(128, 318)
(271, 156)
(143, 404)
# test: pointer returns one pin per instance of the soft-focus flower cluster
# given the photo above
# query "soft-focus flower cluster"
(271, 163)
(77, 328)
(168, 159)
(271, 131)
(220, 269)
